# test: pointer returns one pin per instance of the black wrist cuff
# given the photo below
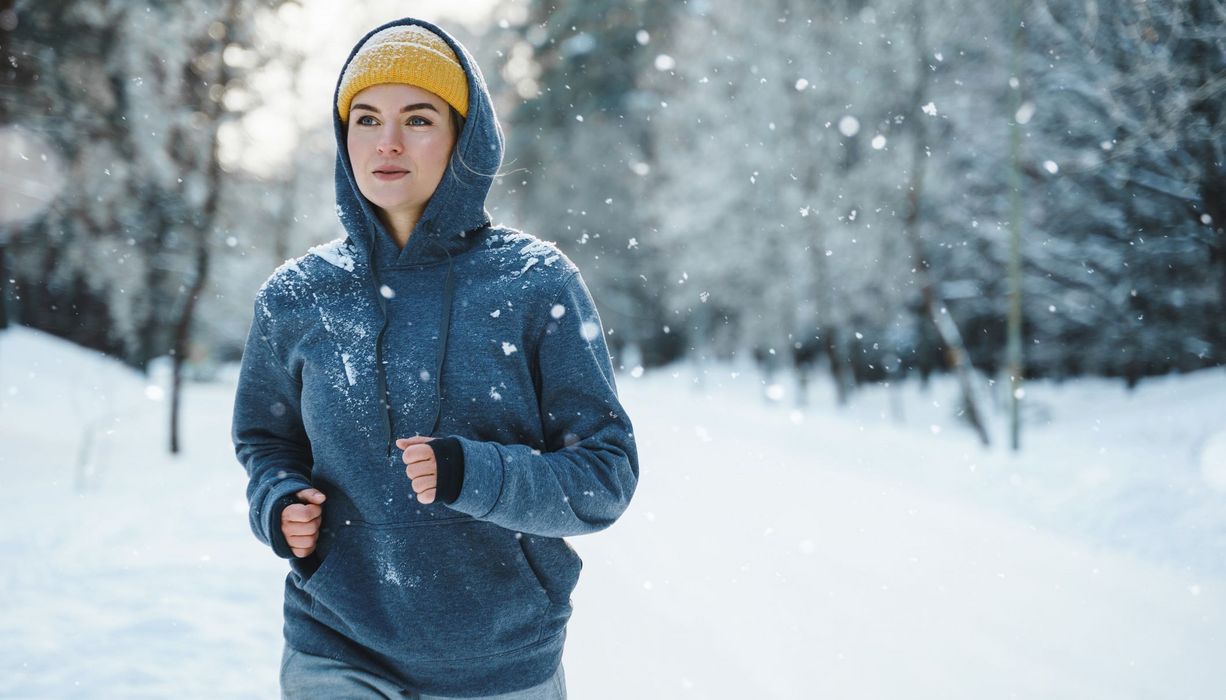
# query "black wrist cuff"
(449, 456)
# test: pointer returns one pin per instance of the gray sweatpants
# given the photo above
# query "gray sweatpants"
(308, 677)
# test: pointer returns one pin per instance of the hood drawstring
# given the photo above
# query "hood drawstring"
(444, 326)
(380, 375)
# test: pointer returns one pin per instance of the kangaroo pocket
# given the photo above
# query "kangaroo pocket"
(429, 591)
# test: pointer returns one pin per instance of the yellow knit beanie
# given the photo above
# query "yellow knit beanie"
(407, 54)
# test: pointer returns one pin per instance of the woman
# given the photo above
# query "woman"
(426, 406)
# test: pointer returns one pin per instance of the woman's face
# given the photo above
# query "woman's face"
(399, 141)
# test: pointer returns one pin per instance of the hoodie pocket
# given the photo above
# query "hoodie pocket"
(430, 591)
(313, 580)
(554, 563)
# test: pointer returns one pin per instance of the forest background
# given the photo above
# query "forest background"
(858, 187)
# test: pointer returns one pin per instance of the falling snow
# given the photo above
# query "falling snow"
(589, 330)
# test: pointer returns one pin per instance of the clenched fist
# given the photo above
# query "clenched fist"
(421, 467)
(300, 522)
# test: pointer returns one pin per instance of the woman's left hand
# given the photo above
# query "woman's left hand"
(421, 467)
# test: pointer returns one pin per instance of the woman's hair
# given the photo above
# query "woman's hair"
(457, 122)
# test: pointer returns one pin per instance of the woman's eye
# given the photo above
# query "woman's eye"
(418, 121)
(362, 120)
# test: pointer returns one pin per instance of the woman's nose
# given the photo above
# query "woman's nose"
(389, 142)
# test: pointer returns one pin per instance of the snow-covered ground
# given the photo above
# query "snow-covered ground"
(874, 551)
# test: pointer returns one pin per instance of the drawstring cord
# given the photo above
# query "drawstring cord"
(443, 331)
(443, 327)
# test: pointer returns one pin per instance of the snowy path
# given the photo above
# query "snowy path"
(785, 574)
(763, 557)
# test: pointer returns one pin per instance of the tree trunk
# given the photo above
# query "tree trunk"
(4, 287)
(204, 222)
(1014, 342)
(956, 356)
(183, 330)
(838, 365)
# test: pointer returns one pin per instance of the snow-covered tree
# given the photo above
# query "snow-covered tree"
(129, 100)
(1130, 118)
(581, 150)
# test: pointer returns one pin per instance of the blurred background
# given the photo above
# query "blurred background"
(918, 308)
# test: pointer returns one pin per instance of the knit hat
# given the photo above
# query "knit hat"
(407, 54)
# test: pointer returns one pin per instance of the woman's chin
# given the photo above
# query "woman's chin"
(394, 204)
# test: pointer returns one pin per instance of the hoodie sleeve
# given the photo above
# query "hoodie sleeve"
(269, 438)
(585, 479)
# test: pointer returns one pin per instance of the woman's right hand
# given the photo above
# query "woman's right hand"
(300, 522)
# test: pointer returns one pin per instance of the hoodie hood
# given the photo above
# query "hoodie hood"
(455, 210)
(458, 204)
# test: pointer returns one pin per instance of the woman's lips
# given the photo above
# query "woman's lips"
(390, 174)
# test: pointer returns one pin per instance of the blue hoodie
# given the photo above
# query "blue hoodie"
(473, 332)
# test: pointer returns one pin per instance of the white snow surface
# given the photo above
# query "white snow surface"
(771, 551)
(1213, 461)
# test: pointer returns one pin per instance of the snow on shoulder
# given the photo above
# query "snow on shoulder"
(293, 278)
(290, 265)
(339, 252)
(532, 250)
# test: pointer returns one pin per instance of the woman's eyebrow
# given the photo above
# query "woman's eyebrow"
(406, 108)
